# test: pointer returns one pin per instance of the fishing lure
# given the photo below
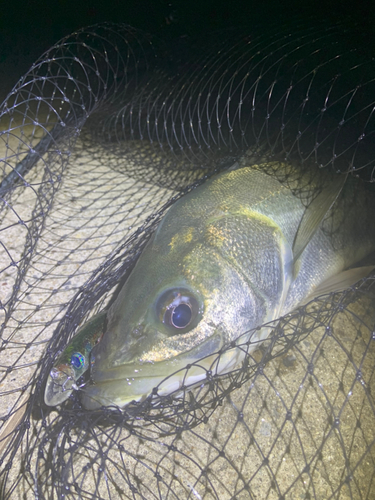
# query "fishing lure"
(74, 361)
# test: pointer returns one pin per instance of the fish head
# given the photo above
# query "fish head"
(181, 303)
(197, 286)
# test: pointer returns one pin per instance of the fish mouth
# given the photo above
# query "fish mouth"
(123, 386)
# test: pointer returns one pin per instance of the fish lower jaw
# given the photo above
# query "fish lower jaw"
(97, 396)
(123, 391)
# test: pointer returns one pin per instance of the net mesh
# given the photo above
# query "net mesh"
(101, 136)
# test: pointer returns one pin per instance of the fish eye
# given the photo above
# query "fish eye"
(179, 316)
(77, 360)
(178, 309)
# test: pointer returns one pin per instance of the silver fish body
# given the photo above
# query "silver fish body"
(225, 259)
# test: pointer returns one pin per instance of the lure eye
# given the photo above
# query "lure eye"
(77, 360)
(179, 310)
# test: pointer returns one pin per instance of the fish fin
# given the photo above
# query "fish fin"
(314, 215)
(339, 282)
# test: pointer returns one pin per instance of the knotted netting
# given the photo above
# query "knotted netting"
(106, 130)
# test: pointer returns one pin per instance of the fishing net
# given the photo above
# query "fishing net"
(106, 130)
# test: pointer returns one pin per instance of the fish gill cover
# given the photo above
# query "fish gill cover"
(99, 138)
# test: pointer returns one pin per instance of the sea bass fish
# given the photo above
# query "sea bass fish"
(244, 248)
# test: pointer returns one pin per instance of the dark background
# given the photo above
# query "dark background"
(29, 27)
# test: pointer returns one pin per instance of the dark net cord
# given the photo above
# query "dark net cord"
(98, 139)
